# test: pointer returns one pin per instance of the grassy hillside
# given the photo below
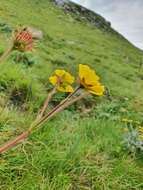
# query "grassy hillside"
(83, 147)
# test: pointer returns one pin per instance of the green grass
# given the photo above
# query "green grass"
(81, 148)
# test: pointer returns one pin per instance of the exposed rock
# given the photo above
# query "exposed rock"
(36, 34)
(83, 13)
(71, 42)
(61, 2)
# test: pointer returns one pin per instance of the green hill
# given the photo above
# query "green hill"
(83, 147)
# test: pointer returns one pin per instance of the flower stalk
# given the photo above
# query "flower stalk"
(36, 124)
(6, 54)
(46, 103)
(12, 143)
(58, 109)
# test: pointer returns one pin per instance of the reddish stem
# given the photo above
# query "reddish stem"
(12, 143)
(6, 54)
(46, 103)
(57, 109)
(25, 134)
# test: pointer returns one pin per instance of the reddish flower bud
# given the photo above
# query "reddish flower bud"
(23, 40)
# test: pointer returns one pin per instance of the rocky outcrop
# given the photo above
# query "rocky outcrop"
(61, 2)
(36, 33)
(83, 13)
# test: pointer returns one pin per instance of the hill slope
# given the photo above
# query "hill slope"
(88, 152)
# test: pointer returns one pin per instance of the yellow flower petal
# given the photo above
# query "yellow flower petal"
(87, 74)
(53, 80)
(63, 80)
(68, 78)
(83, 71)
(59, 72)
(92, 78)
(69, 89)
(90, 81)
(61, 89)
(97, 90)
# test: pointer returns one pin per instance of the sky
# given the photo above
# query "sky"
(126, 16)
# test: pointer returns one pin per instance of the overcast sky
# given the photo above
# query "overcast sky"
(126, 16)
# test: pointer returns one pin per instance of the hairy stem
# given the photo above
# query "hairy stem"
(6, 54)
(17, 140)
(25, 134)
(59, 109)
(36, 122)
(46, 103)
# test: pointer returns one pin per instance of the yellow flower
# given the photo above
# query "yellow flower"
(140, 129)
(127, 120)
(141, 137)
(90, 81)
(124, 120)
(125, 130)
(62, 80)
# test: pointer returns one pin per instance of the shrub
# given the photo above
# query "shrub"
(23, 58)
(133, 137)
(4, 27)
